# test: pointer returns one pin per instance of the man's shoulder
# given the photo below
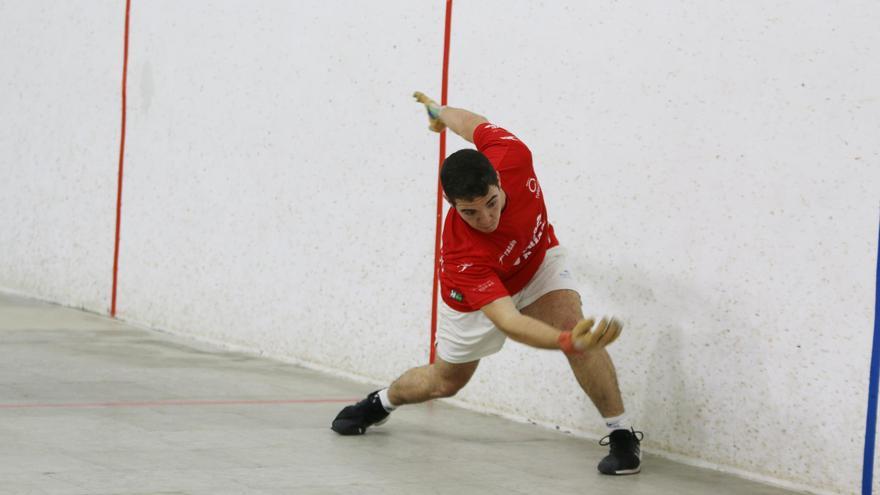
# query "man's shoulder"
(502, 147)
(487, 133)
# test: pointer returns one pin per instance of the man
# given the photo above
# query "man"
(503, 274)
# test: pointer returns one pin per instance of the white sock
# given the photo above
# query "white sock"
(386, 402)
(618, 422)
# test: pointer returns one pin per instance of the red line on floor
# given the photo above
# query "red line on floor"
(164, 403)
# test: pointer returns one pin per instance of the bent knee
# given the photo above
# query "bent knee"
(448, 388)
(568, 324)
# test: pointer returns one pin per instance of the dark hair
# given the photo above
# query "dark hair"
(467, 174)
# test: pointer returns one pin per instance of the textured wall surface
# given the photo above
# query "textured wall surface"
(280, 181)
(716, 170)
(713, 169)
(59, 148)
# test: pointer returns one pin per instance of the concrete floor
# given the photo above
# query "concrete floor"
(92, 406)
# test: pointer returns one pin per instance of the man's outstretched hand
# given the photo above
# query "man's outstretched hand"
(588, 335)
(434, 122)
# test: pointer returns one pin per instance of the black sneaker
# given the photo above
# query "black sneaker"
(354, 420)
(625, 456)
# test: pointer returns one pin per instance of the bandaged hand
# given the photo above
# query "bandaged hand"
(434, 122)
(588, 335)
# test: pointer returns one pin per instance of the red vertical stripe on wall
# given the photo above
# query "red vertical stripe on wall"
(439, 187)
(121, 156)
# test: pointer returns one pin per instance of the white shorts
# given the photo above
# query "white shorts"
(466, 337)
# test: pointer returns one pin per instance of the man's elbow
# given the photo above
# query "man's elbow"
(476, 120)
(470, 126)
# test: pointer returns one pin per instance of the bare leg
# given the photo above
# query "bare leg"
(434, 381)
(594, 371)
(596, 374)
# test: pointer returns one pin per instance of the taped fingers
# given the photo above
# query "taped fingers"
(431, 105)
(421, 97)
(591, 338)
(589, 334)
(582, 328)
(434, 122)
(611, 333)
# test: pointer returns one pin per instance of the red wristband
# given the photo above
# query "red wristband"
(566, 344)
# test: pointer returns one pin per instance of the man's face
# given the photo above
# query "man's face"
(482, 213)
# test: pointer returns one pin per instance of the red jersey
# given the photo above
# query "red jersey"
(477, 268)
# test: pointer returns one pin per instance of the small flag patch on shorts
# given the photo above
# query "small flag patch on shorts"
(456, 295)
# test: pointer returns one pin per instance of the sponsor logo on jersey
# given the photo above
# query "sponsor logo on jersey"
(488, 284)
(454, 294)
(507, 251)
(537, 234)
(533, 187)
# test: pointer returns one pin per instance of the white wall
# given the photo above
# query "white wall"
(717, 168)
(59, 148)
(279, 192)
(713, 168)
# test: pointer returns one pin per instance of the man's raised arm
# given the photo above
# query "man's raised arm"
(459, 121)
